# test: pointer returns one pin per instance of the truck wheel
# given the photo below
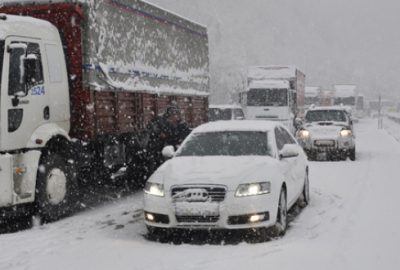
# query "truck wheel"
(279, 229)
(56, 187)
(352, 154)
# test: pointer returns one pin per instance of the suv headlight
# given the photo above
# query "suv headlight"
(154, 189)
(345, 132)
(304, 133)
(253, 189)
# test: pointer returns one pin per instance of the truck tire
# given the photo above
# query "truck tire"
(56, 187)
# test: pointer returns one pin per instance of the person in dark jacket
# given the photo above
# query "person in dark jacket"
(167, 129)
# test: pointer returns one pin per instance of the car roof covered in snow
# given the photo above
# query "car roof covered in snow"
(325, 108)
(240, 125)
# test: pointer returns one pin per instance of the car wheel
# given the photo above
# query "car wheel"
(352, 154)
(305, 195)
(158, 234)
(279, 229)
(56, 187)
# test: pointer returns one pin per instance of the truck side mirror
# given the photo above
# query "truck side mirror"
(17, 81)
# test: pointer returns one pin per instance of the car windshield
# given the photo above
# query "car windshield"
(233, 143)
(267, 97)
(325, 115)
(1, 59)
(215, 114)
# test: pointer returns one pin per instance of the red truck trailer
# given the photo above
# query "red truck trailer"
(79, 84)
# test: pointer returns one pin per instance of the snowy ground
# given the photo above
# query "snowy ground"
(351, 223)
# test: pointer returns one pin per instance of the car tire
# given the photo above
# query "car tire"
(279, 229)
(56, 187)
(352, 154)
(304, 199)
(311, 156)
(158, 234)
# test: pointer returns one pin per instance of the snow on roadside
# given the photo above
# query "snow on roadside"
(392, 128)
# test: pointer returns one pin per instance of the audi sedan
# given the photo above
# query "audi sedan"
(228, 175)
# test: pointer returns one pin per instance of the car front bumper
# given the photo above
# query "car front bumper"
(232, 213)
(327, 144)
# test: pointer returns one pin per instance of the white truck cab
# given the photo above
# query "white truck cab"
(269, 100)
(34, 96)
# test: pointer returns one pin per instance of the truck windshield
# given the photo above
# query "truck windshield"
(351, 101)
(1, 59)
(267, 97)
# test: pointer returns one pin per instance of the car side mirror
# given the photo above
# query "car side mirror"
(289, 151)
(168, 151)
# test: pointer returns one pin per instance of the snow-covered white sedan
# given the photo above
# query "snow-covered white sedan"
(228, 175)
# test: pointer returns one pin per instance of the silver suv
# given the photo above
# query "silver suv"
(328, 132)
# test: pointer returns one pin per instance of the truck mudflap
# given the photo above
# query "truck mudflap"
(6, 180)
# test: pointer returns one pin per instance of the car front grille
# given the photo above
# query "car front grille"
(215, 193)
(197, 219)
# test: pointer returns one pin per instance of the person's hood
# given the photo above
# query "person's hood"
(222, 170)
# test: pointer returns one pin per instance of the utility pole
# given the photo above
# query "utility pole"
(380, 120)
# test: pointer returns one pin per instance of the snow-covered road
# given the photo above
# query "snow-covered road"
(351, 223)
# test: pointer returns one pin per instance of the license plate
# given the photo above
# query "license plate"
(196, 209)
(325, 143)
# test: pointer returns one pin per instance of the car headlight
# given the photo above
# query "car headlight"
(253, 189)
(304, 133)
(154, 189)
(345, 132)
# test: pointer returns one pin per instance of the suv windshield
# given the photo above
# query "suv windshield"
(233, 143)
(1, 58)
(325, 115)
(267, 97)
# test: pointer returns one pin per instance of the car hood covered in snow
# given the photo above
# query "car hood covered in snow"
(223, 170)
(325, 129)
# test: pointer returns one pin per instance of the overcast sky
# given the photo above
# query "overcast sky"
(332, 41)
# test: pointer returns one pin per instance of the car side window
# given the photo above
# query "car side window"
(287, 137)
(280, 139)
